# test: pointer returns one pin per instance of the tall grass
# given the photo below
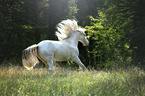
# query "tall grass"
(17, 81)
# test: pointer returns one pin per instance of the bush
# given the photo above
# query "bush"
(105, 44)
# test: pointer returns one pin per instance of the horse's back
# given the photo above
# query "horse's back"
(50, 47)
(46, 46)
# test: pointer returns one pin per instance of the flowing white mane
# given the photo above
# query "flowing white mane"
(66, 27)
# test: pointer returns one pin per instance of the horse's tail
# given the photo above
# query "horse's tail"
(29, 56)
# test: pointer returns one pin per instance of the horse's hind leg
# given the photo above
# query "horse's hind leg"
(50, 62)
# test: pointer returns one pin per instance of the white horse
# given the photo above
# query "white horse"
(66, 49)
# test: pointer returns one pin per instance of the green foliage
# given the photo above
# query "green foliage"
(88, 8)
(16, 81)
(72, 9)
(26, 22)
(10, 30)
(139, 32)
(119, 15)
(102, 40)
(110, 33)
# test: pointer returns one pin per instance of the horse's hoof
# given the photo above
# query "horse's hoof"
(50, 69)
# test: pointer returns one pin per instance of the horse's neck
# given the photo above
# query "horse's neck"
(73, 39)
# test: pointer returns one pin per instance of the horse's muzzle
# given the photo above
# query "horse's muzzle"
(86, 44)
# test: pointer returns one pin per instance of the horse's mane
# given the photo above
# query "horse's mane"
(66, 27)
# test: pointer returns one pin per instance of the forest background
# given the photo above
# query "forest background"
(115, 28)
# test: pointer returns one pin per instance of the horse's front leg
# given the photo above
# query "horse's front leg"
(78, 61)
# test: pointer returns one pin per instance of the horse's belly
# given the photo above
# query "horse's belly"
(62, 57)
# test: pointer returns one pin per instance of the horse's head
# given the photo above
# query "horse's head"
(83, 38)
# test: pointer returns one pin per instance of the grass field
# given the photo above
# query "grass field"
(17, 81)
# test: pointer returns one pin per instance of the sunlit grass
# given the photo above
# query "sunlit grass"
(15, 80)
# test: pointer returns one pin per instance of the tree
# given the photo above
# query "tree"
(110, 34)
(88, 8)
(24, 22)
(119, 15)
(102, 40)
(138, 39)
(10, 18)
